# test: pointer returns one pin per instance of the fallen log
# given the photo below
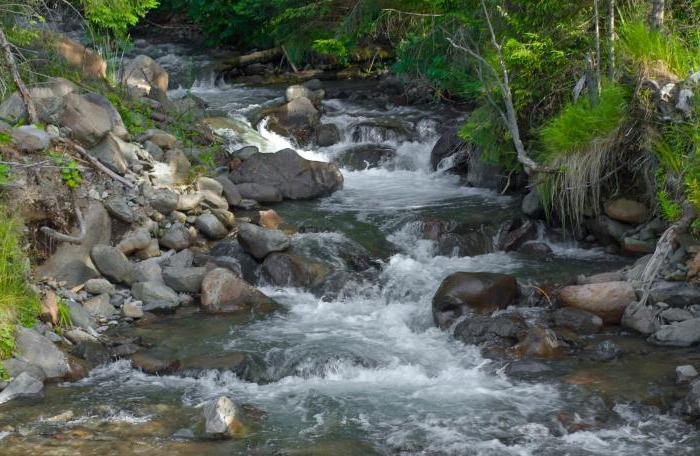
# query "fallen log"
(253, 57)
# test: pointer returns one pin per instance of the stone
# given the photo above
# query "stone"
(229, 190)
(515, 233)
(450, 153)
(365, 156)
(162, 199)
(189, 201)
(613, 276)
(685, 373)
(536, 248)
(88, 121)
(626, 210)
(88, 62)
(99, 306)
(681, 334)
(295, 177)
(118, 208)
(224, 292)
(472, 293)
(15, 367)
(114, 153)
(29, 139)
(177, 237)
(154, 150)
(225, 217)
(149, 271)
(134, 240)
(674, 314)
(298, 91)
(113, 264)
(152, 365)
(78, 335)
(155, 296)
(327, 135)
(482, 329)
(633, 245)
(231, 249)
(675, 294)
(297, 119)
(259, 192)
(118, 127)
(133, 309)
(260, 242)
(210, 226)
(209, 184)
(142, 74)
(539, 342)
(532, 204)
(270, 219)
(179, 167)
(220, 417)
(528, 369)
(184, 279)
(80, 317)
(484, 174)
(607, 230)
(607, 300)
(182, 259)
(606, 350)
(213, 200)
(151, 250)
(578, 320)
(158, 137)
(36, 349)
(49, 308)
(21, 386)
(285, 269)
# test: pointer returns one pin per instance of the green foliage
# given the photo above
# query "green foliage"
(333, 48)
(116, 16)
(70, 173)
(5, 138)
(64, 320)
(4, 375)
(485, 129)
(670, 210)
(579, 124)
(18, 304)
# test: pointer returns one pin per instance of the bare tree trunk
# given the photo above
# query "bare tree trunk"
(597, 47)
(656, 17)
(23, 91)
(611, 40)
(591, 80)
(253, 57)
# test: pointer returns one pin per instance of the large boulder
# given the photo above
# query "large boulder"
(607, 300)
(24, 385)
(32, 347)
(260, 242)
(472, 293)
(48, 99)
(503, 330)
(224, 292)
(294, 176)
(626, 210)
(143, 74)
(113, 264)
(87, 120)
(365, 156)
(88, 62)
(297, 119)
(286, 269)
(681, 334)
(450, 145)
(155, 296)
(259, 192)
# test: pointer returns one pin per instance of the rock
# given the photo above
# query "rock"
(36, 349)
(118, 127)
(673, 315)
(294, 176)
(606, 350)
(528, 369)
(516, 233)
(223, 292)
(537, 248)
(115, 153)
(225, 217)
(682, 334)
(685, 374)
(229, 190)
(118, 208)
(532, 204)
(142, 74)
(472, 292)
(614, 276)
(327, 135)
(365, 156)
(260, 242)
(88, 121)
(626, 210)
(232, 249)
(184, 279)
(133, 309)
(482, 329)
(638, 246)
(158, 137)
(209, 184)
(149, 271)
(285, 269)
(88, 62)
(539, 342)
(221, 418)
(162, 199)
(245, 153)
(210, 226)
(152, 365)
(178, 166)
(21, 386)
(113, 264)
(270, 219)
(189, 201)
(484, 174)
(99, 306)
(177, 237)
(450, 145)
(155, 296)
(80, 317)
(49, 308)
(78, 335)
(151, 250)
(384, 129)
(134, 240)
(607, 300)
(15, 367)
(299, 91)
(675, 294)
(154, 150)
(297, 119)
(29, 139)
(182, 259)
(607, 230)
(259, 192)
(578, 320)
(213, 201)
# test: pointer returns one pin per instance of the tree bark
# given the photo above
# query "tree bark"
(611, 40)
(591, 81)
(253, 57)
(597, 47)
(23, 91)
(656, 16)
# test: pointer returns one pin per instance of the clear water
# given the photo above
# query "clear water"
(367, 372)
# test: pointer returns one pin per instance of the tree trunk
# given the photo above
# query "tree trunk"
(656, 17)
(611, 40)
(592, 80)
(23, 91)
(253, 57)
(597, 47)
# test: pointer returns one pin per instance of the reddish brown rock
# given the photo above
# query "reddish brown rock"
(607, 300)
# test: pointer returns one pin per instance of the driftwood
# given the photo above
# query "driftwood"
(253, 57)
(64, 237)
(24, 92)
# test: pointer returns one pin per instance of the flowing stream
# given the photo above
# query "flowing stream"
(364, 370)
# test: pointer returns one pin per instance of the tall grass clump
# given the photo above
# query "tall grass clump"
(18, 304)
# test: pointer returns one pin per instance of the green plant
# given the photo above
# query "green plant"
(64, 320)
(4, 375)
(670, 210)
(70, 172)
(333, 48)
(5, 138)
(116, 16)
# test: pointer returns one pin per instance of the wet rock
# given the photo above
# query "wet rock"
(484, 174)
(260, 242)
(36, 349)
(229, 190)
(532, 204)
(210, 226)
(327, 135)
(450, 145)
(119, 209)
(382, 129)
(528, 369)
(158, 137)
(685, 374)
(483, 329)
(29, 139)
(300, 91)
(134, 240)
(578, 320)
(100, 306)
(472, 292)
(607, 230)
(682, 334)
(161, 199)
(516, 233)
(607, 300)
(297, 119)
(285, 269)
(155, 296)
(177, 237)
(294, 176)
(223, 292)
(259, 192)
(626, 210)
(365, 156)
(633, 245)
(49, 308)
(539, 342)
(152, 365)
(23, 385)
(142, 74)
(535, 248)
(231, 248)
(184, 279)
(113, 264)
(221, 418)
(607, 350)
(244, 153)
(675, 294)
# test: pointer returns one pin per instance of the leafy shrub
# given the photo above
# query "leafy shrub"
(333, 48)
(116, 16)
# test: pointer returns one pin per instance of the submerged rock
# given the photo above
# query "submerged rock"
(578, 320)
(365, 156)
(285, 269)
(502, 329)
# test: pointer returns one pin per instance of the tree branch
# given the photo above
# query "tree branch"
(24, 92)
(64, 237)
